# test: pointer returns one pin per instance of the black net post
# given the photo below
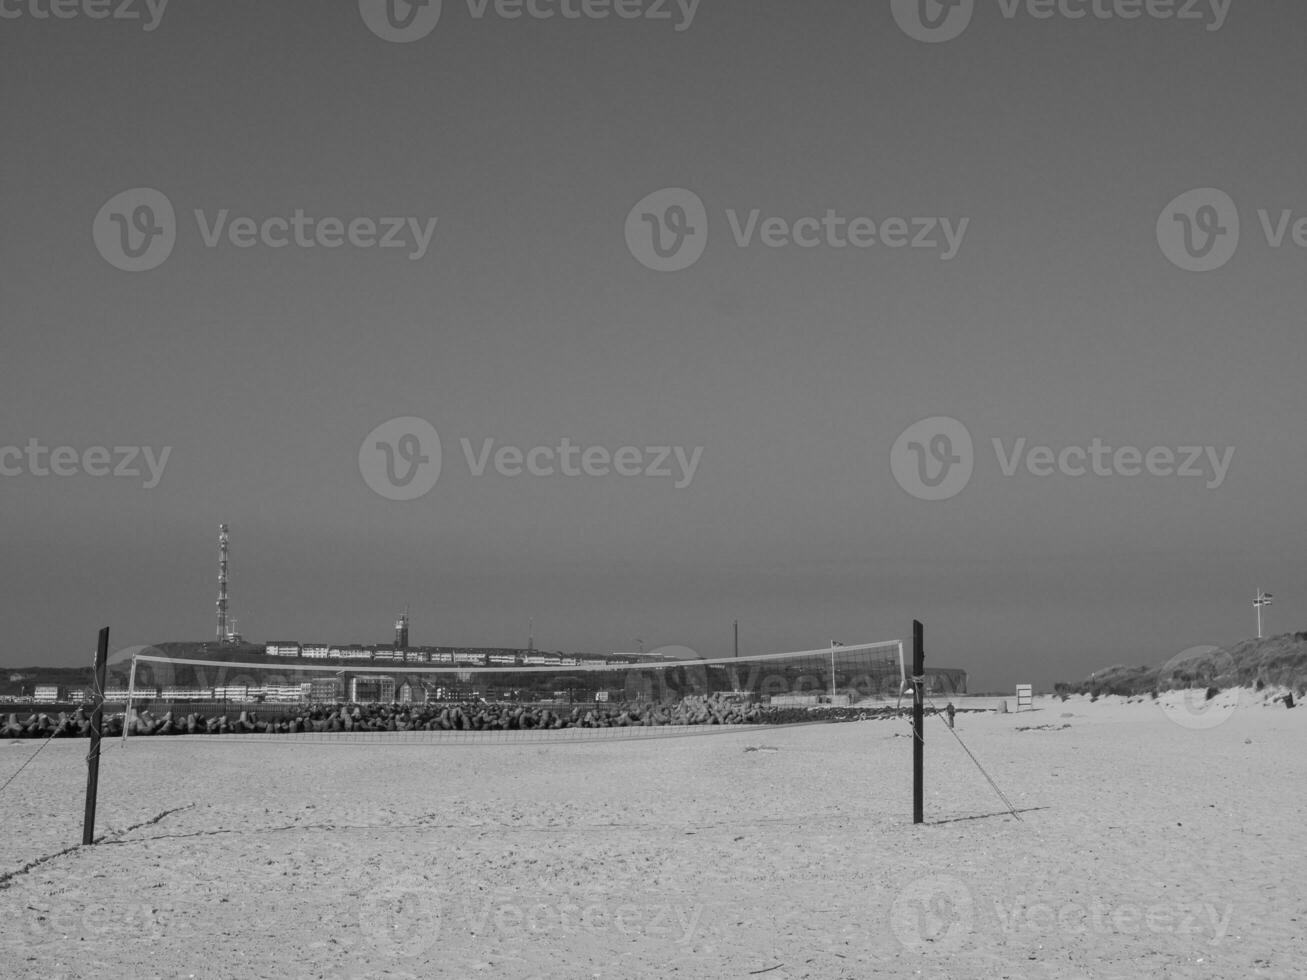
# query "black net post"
(918, 722)
(97, 721)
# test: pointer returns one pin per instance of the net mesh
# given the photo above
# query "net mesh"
(402, 701)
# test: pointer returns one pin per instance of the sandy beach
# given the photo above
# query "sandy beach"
(1155, 839)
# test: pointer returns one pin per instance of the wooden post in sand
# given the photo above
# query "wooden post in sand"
(97, 721)
(918, 719)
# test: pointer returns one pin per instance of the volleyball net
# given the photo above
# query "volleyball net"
(526, 695)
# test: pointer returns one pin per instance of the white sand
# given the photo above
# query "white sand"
(1160, 849)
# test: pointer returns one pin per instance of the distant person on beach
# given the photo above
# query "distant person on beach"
(950, 710)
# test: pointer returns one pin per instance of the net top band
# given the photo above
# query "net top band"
(374, 666)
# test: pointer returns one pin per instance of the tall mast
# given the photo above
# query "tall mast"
(223, 631)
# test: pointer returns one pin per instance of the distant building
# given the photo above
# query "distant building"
(282, 693)
(454, 694)
(542, 660)
(398, 652)
(372, 690)
(46, 693)
(411, 692)
(118, 695)
(325, 690)
(187, 694)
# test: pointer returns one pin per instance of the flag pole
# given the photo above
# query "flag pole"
(1263, 599)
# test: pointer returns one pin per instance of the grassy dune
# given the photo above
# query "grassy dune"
(1275, 661)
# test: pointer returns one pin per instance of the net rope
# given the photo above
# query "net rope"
(28, 761)
(920, 680)
(99, 697)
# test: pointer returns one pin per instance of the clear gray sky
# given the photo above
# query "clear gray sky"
(528, 319)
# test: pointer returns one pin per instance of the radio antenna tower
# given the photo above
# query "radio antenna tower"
(223, 632)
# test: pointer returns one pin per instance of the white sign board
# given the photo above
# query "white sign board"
(1025, 697)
